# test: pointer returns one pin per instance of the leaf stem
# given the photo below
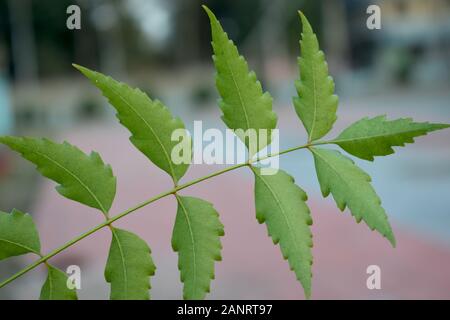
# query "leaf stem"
(109, 221)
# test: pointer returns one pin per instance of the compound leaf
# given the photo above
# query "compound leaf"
(350, 186)
(196, 238)
(150, 122)
(82, 178)
(18, 235)
(368, 138)
(316, 104)
(129, 266)
(55, 287)
(243, 103)
(281, 204)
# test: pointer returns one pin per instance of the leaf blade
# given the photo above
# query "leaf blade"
(150, 122)
(18, 234)
(350, 186)
(316, 103)
(129, 266)
(243, 102)
(82, 178)
(196, 238)
(368, 138)
(281, 204)
(55, 286)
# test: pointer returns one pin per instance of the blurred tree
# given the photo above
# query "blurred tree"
(23, 41)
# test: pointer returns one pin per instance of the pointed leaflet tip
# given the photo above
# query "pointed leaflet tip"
(373, 137)
(78, 67)
(305, 23)
(307, 294)
(85, 71)
(211, 15)
(215, 24)
(391, 239)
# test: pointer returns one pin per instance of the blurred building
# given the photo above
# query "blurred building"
(416, 39)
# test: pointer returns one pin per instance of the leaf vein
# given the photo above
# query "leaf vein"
(122, 258)
(151, 130)
(18, 245)
(91, 193)
(192, 240)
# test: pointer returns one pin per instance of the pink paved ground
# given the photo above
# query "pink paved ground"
(252, 266)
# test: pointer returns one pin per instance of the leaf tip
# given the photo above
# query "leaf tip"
(210, 14)
(307, 293)
(390, 236)
(85, 71)
(78, 67)
(305, 23)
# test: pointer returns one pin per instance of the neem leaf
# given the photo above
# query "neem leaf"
(196, 238)
(129, 266)
(55, 287)
(243, 103)
(281, 204)
(368, 138)
(18, 235)
(316, 103)
(149, 121)
(82, 178)
(350, 186)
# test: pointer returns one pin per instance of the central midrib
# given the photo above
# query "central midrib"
(281, 208)
(91, 193)
(373, 136)
(192, 241)
(122, 257)
(151, 130)
(314, 99)
(243, 105)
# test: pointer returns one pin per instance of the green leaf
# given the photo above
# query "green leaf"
(55, 287)
(149, 121)
(129, 266)
(350, 186)
(82, 178)
(196, 238)
(316, 104)
(368, 138)
(281, 204)
(243, 103)
(18, 235)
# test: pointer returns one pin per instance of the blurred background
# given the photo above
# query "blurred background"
(163, 47)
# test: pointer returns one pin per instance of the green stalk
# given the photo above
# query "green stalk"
(109, 221)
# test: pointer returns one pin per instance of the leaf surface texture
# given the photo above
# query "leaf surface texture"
(196, 238)
(281, 205)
